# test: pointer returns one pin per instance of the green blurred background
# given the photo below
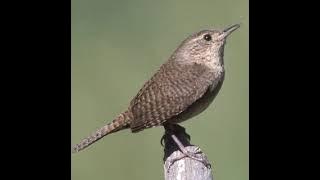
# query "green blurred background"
(116, 47)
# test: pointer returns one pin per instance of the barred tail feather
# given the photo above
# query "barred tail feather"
(119, 123)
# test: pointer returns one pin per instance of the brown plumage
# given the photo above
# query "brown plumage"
(183, 87)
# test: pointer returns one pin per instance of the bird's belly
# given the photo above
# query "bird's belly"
(199, 106)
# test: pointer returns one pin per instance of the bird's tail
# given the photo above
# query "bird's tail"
(119, 123)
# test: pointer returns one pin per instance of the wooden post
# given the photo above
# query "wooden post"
(184, 168)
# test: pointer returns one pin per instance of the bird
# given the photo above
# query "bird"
(183, 87)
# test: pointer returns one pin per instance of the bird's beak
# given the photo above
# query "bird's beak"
(226, 32)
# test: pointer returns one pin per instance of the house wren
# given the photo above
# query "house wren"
(183, 87)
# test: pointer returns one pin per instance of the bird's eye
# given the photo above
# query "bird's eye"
(207, 37)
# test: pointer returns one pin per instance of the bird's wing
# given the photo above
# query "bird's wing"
(169, 92)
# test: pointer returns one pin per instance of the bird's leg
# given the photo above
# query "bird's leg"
(176, 131)
(186, 153)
